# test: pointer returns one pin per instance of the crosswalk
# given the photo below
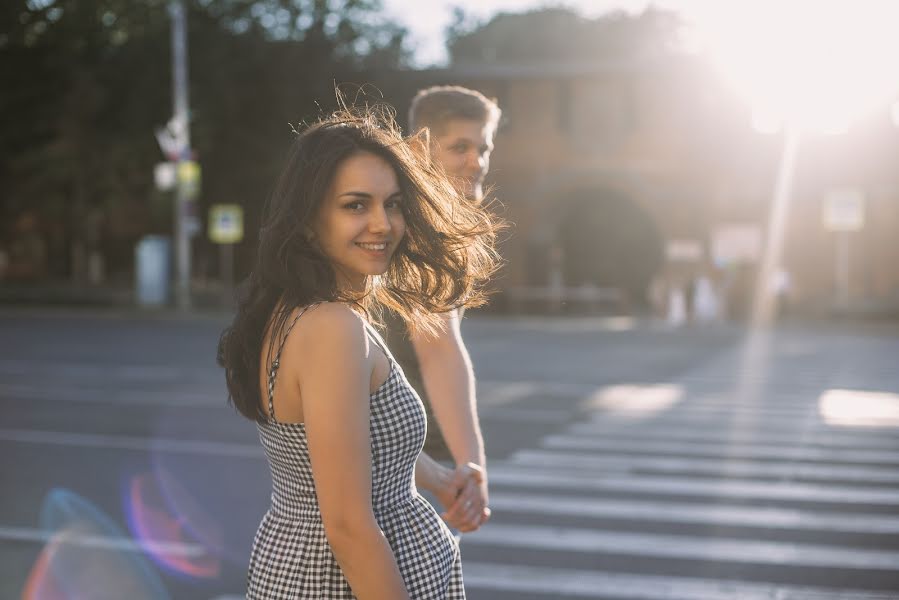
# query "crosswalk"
(706, 500)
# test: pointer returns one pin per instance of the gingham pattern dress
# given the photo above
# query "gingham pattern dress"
(291, 557)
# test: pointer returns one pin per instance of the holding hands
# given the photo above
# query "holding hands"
(462, 492)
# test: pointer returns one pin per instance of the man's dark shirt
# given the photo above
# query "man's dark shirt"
(396, 335)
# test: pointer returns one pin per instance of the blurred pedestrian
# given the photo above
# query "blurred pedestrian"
(357, 220)
(461, 125)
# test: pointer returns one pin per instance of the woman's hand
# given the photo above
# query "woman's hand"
(461, 491)
(467, 503)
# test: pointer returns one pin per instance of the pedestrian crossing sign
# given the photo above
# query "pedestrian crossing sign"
(225, 223)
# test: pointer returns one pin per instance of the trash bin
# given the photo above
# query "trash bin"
(151, 271)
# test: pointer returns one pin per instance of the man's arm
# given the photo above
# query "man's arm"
(449, 382)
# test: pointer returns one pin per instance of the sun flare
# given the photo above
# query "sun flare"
(815, 65)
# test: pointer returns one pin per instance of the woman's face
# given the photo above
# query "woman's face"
(360, 222)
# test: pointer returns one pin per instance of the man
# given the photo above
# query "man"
(462, 124)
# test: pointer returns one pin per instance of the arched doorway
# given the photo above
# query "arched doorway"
(607, 240)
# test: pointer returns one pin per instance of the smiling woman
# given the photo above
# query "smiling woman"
(361, 221)
(360, 217)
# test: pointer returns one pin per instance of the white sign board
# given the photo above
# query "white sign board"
(164, 174)
(736, 243)
(683, 250)
(844, 209)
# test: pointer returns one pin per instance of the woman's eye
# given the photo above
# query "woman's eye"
(353, 206)
(395, 203)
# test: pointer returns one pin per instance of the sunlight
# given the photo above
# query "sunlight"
(858, 408)
(635, 401)
(816, 65)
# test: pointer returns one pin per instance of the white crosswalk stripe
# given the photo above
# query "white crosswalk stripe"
(519, 476)
(671, 546)
(795, 506)
(832, 439)
(681, 512)
(598, 584)
(747, 451)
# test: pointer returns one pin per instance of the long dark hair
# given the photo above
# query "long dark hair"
(442, 263)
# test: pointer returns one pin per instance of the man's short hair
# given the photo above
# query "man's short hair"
(433, 107)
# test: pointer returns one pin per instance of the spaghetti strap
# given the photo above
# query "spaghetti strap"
(273, 370)
(378, 340)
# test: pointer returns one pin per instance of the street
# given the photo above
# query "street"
(626, 460)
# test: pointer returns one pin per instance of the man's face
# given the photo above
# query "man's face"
(463, 147)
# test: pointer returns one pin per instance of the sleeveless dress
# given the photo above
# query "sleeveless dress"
(291, 557)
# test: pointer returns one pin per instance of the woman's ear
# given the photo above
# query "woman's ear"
(309, 233)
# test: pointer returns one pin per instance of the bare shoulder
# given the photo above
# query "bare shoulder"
(330, 327)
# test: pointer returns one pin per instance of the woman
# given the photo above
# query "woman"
(358, 219)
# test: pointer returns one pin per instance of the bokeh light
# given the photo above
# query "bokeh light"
(88, 556)
(163, 515)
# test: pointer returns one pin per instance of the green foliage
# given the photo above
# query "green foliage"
(86, 83)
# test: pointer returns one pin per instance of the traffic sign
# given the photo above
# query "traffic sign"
(225, 223)
(844, 209)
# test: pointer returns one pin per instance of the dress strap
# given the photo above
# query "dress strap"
(273, 370)
(377, 339)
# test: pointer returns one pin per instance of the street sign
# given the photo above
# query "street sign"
(734, 243)
(189, 177)
(844, 209)
(684, 250)
(164, 176)
(225, 223)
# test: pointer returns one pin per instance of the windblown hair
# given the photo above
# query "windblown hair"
(443, 261)
(432, 107)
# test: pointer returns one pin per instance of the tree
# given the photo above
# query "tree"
(87, 81)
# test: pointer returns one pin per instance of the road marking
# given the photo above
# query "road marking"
(116, 396)
(504, 474)
(683, 547)
(126, 442)
(723, 467)
(497, 395)
(841, 439)
(72, 537)
(740, 419)
(731, 451)
(104, 372)
(716, 514)
(529, 415)
(598, 584)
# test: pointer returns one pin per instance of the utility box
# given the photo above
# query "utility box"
(152, 270)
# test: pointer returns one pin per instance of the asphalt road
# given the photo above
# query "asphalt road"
(626, 461)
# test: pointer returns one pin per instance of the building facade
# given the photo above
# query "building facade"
(621, 178)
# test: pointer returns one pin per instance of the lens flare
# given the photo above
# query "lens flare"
(87, 556)
(162, 515)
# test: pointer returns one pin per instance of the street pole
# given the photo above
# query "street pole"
(182, 126)
(842, 270)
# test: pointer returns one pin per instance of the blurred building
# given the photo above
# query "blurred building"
(629, 178)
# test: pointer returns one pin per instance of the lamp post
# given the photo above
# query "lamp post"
(181, 131)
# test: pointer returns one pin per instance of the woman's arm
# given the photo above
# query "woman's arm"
(334, 376)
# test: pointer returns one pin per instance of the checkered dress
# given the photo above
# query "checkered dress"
(291, 557)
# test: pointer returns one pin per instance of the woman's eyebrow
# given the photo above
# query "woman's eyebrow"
(366, 195)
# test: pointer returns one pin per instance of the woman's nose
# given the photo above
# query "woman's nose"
(379, 222)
